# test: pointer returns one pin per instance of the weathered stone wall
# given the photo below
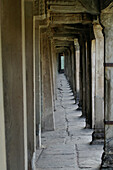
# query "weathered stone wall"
(106, 20)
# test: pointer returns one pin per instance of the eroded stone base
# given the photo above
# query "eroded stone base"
(107, 161)
(48, 123)
(88, 126)
(98, 138)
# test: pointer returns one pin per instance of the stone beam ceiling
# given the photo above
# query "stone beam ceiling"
(69, 30)
(59, 18)
(73, 6)
(66, 20)
(63, 43)
(63, 38)
(61, 49)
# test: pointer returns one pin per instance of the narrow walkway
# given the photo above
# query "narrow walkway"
(68, 147)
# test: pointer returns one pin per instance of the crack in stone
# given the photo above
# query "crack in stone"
(42, 150)
(77, 152)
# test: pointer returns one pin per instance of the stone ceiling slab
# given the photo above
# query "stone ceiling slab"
(70, 18)
(74, 6)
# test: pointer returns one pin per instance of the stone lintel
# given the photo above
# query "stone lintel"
(69, 9)
(74, 6)
(63, 43)
(70, 18)
(98, 31)
(63, 39)
(67, 35)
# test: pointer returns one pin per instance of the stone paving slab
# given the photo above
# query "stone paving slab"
(68, 147)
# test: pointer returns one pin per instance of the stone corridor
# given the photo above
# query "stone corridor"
(68, 147)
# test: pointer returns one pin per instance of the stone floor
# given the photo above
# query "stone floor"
(68, 147)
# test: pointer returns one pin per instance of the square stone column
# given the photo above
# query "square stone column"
(77, 68)
(37, 78)
(14, 84)
(30, 81)
(84, 103)
(107, 20)
(98, 134)
(88, 85)
(73, 68)
(3, 162)
(81, 80)
(66, 63)
(54, 71)
(47, 92)
(70, 67)
(93, 55)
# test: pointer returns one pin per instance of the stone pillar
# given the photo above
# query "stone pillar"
(70, 67)
(88, 86)
(48, 113)
(73, 64)
(66, 63)
(81, 79)
(29, 77)
(73, 70)
(106, 20)
(84, 102)
(2, 121)
(54, 71)
(14, 84)
(98, 135)
(93, 53)
(77, 68)
(51, 57)
(37, 79)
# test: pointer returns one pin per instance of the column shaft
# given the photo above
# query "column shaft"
(98, 134)
(93, 57)
(81, 79)
(2, 120)
(54, 71)
(88, 86)
(48, 115)
(77, 69)
(14, 84)
(29, 82)
(84, 79)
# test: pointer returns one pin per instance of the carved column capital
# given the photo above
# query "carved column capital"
(98, 31)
